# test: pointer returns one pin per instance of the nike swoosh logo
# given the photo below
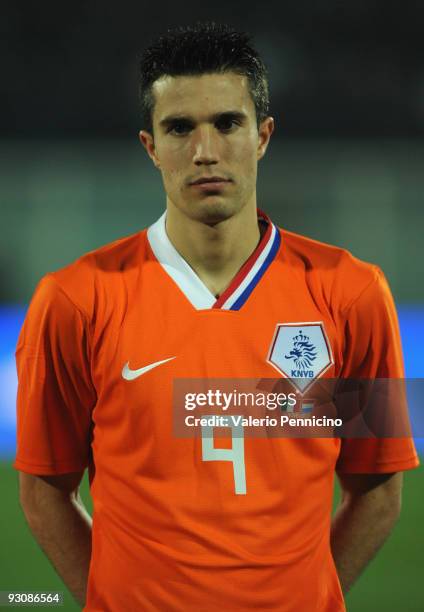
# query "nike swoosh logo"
(129, 374)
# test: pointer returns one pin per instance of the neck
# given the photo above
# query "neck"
(217, 252)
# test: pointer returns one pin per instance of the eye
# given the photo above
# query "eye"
(179, 128)
(226, 124)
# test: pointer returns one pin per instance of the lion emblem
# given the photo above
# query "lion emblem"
(303, 352)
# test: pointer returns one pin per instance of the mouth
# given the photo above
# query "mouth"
(211, 181)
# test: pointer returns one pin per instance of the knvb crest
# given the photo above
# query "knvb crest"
(301, 352)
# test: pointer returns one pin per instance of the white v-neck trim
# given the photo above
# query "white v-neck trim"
(196, 292)
(177, 267)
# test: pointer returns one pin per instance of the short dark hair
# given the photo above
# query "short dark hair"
(204, 48)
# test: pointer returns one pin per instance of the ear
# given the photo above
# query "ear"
(146, 139)
(265, 131)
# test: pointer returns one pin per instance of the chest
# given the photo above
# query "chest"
(283, 330)
(156, 338)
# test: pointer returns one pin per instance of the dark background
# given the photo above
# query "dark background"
(338, 69)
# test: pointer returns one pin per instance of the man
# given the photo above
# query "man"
(207, 291)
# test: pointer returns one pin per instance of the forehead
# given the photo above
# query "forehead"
(202, 95)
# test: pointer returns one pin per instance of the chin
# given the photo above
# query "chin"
(213, 211)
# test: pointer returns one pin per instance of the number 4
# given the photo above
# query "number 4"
(234, 454)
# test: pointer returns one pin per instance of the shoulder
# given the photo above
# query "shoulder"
(100, 270)
(341, 275)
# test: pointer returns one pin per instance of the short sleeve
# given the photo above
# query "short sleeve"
(373, 351)
(55, 393)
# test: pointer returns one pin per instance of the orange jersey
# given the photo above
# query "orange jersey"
(174, 527)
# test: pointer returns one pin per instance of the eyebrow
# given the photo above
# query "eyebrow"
(233, 114)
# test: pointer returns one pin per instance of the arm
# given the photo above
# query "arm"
(60, 524)
(368, 511)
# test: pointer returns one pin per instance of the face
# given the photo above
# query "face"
(206, 143)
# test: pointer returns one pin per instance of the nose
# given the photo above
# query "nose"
(205, 146)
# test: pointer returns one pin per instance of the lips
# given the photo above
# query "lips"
(207, 180)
